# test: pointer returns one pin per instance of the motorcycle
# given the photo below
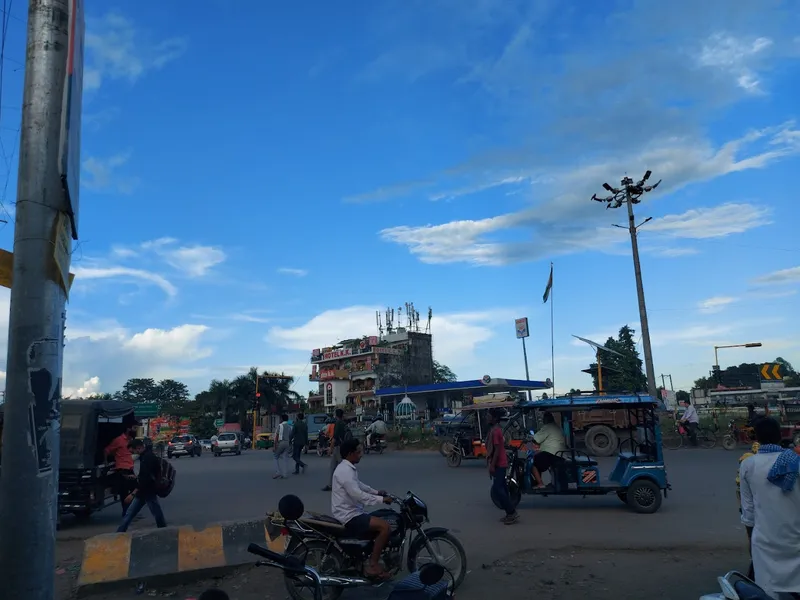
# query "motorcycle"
(322, 444)
(320, 541)
(377, 443)
(427, 583)
(736, 586)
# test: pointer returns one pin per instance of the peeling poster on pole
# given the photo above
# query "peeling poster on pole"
(41, 415)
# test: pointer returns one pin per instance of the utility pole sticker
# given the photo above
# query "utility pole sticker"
(42, 412)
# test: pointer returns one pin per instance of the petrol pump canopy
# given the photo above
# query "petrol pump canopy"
(486, 385)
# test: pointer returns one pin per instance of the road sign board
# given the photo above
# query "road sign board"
(145, 410)
(772, 385)
(219, 423)
(521, 326)
(771, 372)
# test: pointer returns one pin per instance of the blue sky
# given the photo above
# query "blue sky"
(259, 179)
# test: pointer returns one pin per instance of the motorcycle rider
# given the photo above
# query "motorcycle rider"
(376, 428)
(349, 497)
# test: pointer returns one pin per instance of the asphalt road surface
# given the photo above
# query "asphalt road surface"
(699, 517)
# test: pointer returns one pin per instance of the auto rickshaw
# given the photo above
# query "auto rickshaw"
(639, 476)
(87, 480)
(263, 441)
(469, 438)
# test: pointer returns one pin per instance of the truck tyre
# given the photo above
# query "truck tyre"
(601, 440)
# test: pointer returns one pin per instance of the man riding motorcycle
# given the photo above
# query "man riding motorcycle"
(377, 429)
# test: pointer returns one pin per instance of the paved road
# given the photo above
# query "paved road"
(700, 511)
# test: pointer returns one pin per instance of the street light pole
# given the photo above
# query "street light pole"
(715, 370)
(629, 195)
(29, 482)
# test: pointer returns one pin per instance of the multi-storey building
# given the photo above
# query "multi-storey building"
(349, 372)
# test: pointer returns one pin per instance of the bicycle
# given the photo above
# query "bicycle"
(705, 438)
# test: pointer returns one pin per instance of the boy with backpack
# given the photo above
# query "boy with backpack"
(151, 482)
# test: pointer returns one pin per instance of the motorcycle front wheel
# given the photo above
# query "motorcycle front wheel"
(325, 559)
(446, 549)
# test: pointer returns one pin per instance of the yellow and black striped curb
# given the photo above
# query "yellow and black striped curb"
(139, 555)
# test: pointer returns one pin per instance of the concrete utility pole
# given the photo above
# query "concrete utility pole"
(29, 481)
(629, 195)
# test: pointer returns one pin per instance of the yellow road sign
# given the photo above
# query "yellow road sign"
(7, 269)
(771, 372)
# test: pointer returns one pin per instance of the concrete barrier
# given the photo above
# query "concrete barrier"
(114, 558)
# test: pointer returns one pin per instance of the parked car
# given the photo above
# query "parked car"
(227, 442)
(205, 444)
(184, 445)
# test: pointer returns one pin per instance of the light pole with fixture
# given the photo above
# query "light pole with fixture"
(716, 372)
(629, 194)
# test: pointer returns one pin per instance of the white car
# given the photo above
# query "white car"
(226, 442)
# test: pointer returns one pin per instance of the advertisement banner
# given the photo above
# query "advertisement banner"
(522, 327)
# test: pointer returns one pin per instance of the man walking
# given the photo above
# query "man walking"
(498, 463)
(340, 433)
(145, 492)
(282, 448)
(770, 499)
(299, 442)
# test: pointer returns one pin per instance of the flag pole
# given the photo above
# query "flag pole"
(552, 340)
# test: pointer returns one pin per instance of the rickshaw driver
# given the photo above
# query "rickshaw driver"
(547, 442)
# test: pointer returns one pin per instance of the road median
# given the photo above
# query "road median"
(170, 554)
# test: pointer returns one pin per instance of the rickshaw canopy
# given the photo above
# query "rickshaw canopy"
(80, 421)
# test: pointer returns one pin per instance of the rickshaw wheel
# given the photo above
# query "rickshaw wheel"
(728, 442)
(446, 447)
(644, 496)
(454, 459)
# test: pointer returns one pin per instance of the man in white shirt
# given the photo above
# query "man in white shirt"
(770, 496)
(349, 497)
(376, 428)
(691, 421)
(281, 437)
(547, 442)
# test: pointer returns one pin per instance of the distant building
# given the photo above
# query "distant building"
(349, 372)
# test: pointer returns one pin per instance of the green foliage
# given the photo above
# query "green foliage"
(621, 373)
(443, 373)
(682, 396)
(203, 426)
(230, 400)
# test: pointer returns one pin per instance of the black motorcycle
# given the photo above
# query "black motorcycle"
(319, 541)
(322, 444)
(377, 443)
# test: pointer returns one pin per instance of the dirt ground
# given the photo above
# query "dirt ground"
(675, 574)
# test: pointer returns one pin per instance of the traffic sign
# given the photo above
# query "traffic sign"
(219, 423)
(771, 372)
(145, 410)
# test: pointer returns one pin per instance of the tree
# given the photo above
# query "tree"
(443, 373)
(139, 390)
(203, 426)
(173, 398)
(746, 375)
(623, 372)
(682, 396)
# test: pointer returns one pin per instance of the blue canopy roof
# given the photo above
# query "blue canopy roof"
(485, 386)
(591, 401)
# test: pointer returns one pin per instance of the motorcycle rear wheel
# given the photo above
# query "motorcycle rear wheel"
(316, 554)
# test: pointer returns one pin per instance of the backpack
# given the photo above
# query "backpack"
(348, 435)
(166, 478)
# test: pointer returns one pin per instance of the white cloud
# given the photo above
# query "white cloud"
(790, 275)
(182, 342)
(715, 304)
(291, 271)
(90, 387)
(194, 260)
(457, 335)
(125, 273)
(117, 50)
(567, 221)
(103, 174)
(737, 57)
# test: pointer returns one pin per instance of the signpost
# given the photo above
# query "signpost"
(218, 423)
(521, 326)
(772, 376)
(145, 411)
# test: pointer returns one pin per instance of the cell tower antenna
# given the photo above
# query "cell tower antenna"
(428, 324)
(378, 322)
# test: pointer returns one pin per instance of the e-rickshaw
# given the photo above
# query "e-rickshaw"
(87, 479)
(639, 476)
(469, 441)
(263, 441)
